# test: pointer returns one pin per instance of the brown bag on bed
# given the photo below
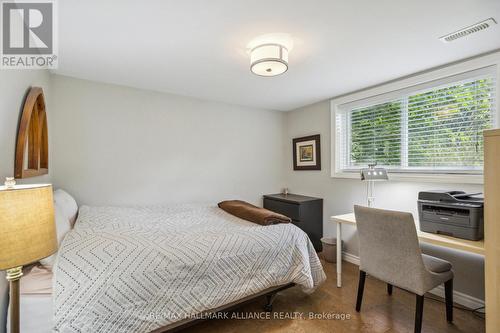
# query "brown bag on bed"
(251, 213)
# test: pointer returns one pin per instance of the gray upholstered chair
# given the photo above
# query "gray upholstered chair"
(389, 251)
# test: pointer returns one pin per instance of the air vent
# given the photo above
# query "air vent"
(468, 30)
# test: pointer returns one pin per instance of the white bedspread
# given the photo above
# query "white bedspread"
(137, 269)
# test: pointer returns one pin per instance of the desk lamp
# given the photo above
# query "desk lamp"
(371, 175)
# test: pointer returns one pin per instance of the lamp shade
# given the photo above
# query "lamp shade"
(27, 228)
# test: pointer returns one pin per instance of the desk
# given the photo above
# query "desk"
(425, 237)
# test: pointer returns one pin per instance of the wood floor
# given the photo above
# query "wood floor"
(380, 312)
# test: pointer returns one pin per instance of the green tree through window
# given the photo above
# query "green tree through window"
(376, 133)
(437, 129)
(445, 126)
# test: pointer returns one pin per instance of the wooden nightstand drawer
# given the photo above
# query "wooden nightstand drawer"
(288, 209)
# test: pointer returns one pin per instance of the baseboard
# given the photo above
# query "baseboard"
(458, 297)
(349, 257)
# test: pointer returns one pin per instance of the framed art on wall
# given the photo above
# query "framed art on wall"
(307, 153)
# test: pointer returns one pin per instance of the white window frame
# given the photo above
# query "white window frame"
(393, 88)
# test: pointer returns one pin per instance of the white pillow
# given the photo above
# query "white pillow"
(62, 228)
(65, 202)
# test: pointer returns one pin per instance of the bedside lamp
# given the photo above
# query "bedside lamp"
(27, 232)
(371, 175)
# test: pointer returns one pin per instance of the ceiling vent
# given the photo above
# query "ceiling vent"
(468, 30)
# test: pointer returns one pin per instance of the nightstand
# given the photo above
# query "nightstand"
(305, 212)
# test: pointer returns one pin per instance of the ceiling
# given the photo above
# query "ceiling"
(198, 48)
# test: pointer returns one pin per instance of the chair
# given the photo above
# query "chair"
(389, 251)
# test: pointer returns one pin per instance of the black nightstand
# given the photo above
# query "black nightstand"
(305, 212)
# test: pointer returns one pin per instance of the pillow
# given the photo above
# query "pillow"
(65, 202)
(249, 212)
(62, 227)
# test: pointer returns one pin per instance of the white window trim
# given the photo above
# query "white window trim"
(450, 70)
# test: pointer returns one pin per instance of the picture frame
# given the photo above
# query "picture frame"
(307, 153)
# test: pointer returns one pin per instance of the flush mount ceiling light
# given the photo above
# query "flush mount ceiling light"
(269, 54)
(269, 59)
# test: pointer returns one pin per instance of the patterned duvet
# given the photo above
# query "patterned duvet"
(138, 269)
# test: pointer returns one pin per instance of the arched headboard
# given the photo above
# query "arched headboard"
(32, 147)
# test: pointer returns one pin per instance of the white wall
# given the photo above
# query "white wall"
(114, 145)
(341, 194)
(14, 84)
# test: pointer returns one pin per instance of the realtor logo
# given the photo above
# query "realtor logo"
(28, 35)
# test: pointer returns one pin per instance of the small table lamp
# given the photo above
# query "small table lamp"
(27, 232)
(371, 175)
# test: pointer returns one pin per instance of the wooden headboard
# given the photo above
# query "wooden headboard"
(32, 146)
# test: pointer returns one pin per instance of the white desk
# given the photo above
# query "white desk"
(425, 237)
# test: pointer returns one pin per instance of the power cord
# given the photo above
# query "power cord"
(476, 312)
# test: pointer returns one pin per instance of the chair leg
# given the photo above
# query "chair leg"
(448, 294)
(361, 288)
(389, 289)
(419, 311)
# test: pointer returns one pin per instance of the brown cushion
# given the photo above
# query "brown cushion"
(251, 213)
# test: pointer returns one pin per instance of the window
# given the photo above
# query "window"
(434, 127)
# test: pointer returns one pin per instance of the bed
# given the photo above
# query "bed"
(144, 269)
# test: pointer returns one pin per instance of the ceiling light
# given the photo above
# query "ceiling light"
(269, 59)
(269, 53)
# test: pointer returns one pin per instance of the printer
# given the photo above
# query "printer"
(452, 213)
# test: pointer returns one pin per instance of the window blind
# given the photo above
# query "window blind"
(433, 127)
